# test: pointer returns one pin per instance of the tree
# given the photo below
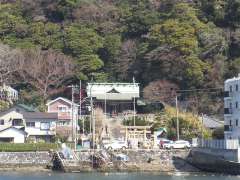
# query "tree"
(178, 35)
(122, 67)
(160, 90)
(46, 71)
(47, 35)
(11, 61)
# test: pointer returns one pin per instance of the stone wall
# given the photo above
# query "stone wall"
(145, 160)
(24, 159)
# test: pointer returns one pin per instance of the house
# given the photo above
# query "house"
(114, 98)
(64, 109)
(8, 93)
(39, 126)
(13, 115)
(13, 135)
(232, 108)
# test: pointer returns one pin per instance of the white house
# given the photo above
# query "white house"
(39, 126)
(114, 97)
(8, 93)
(13, 135)
(232, 108)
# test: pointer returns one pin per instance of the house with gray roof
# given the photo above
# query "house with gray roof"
(39, 126)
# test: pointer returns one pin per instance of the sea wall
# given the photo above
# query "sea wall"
(215, 160)
(138, 160)
(23, 159)
(226, 154)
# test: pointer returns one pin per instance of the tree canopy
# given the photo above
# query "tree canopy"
(185, 43)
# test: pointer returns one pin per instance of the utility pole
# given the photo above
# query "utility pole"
(202, 130)
(92, 119)
(134, 112)
(177, 118)
(134, 108)
(72, 112)
(80, 104)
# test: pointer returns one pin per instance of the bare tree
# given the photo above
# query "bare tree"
(160, 90)
(46, 71)
(11, 61)
(126, 59)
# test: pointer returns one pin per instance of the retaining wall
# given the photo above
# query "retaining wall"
(226, 154)
(11, 159)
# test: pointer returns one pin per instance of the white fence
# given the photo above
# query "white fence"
(217, 144)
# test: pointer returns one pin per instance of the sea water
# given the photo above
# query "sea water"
(113, 176)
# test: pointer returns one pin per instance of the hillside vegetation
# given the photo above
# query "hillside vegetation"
(165, 44)
(190, 125)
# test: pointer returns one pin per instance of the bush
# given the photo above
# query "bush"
(138, 122)
(9, 147)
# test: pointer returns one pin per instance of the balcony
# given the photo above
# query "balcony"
(227, 111)
(228, 128)
(227, 95)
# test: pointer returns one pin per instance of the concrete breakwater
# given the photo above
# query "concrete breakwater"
(138, 160)
(216, 160)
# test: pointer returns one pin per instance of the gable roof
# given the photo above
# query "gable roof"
(8, 111)
(60, 98)
(11, 127)
(113, 90)
(40, 115)
(19, 108)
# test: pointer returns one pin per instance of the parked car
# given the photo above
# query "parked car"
(180, 144)
(164, 141)
(116, 145)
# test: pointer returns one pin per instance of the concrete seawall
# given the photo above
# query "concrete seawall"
(24, 159)
(215, 160)
(139, 160)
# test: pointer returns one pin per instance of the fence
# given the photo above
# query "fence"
(217, 144)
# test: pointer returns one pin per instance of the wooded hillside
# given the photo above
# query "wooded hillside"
(164, 44)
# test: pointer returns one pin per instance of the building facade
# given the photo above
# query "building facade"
(8, 93)
(114, 98)
(232, 108)
(13, 135)
(39, 126)
(67, 112)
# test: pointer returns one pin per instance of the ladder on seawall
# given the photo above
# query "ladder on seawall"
(58, 162)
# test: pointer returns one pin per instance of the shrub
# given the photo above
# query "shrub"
(23, 147)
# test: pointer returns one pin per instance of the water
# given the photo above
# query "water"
(113, 176)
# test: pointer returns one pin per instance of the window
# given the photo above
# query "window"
(63, 123)
(62, 109)
(230, 122)
(17, 122)
(1, 122)
(30, 124)
(236, 87)
(230, 88)
(236, 122)
(230, 105)
(236, 105)
(45, 126)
